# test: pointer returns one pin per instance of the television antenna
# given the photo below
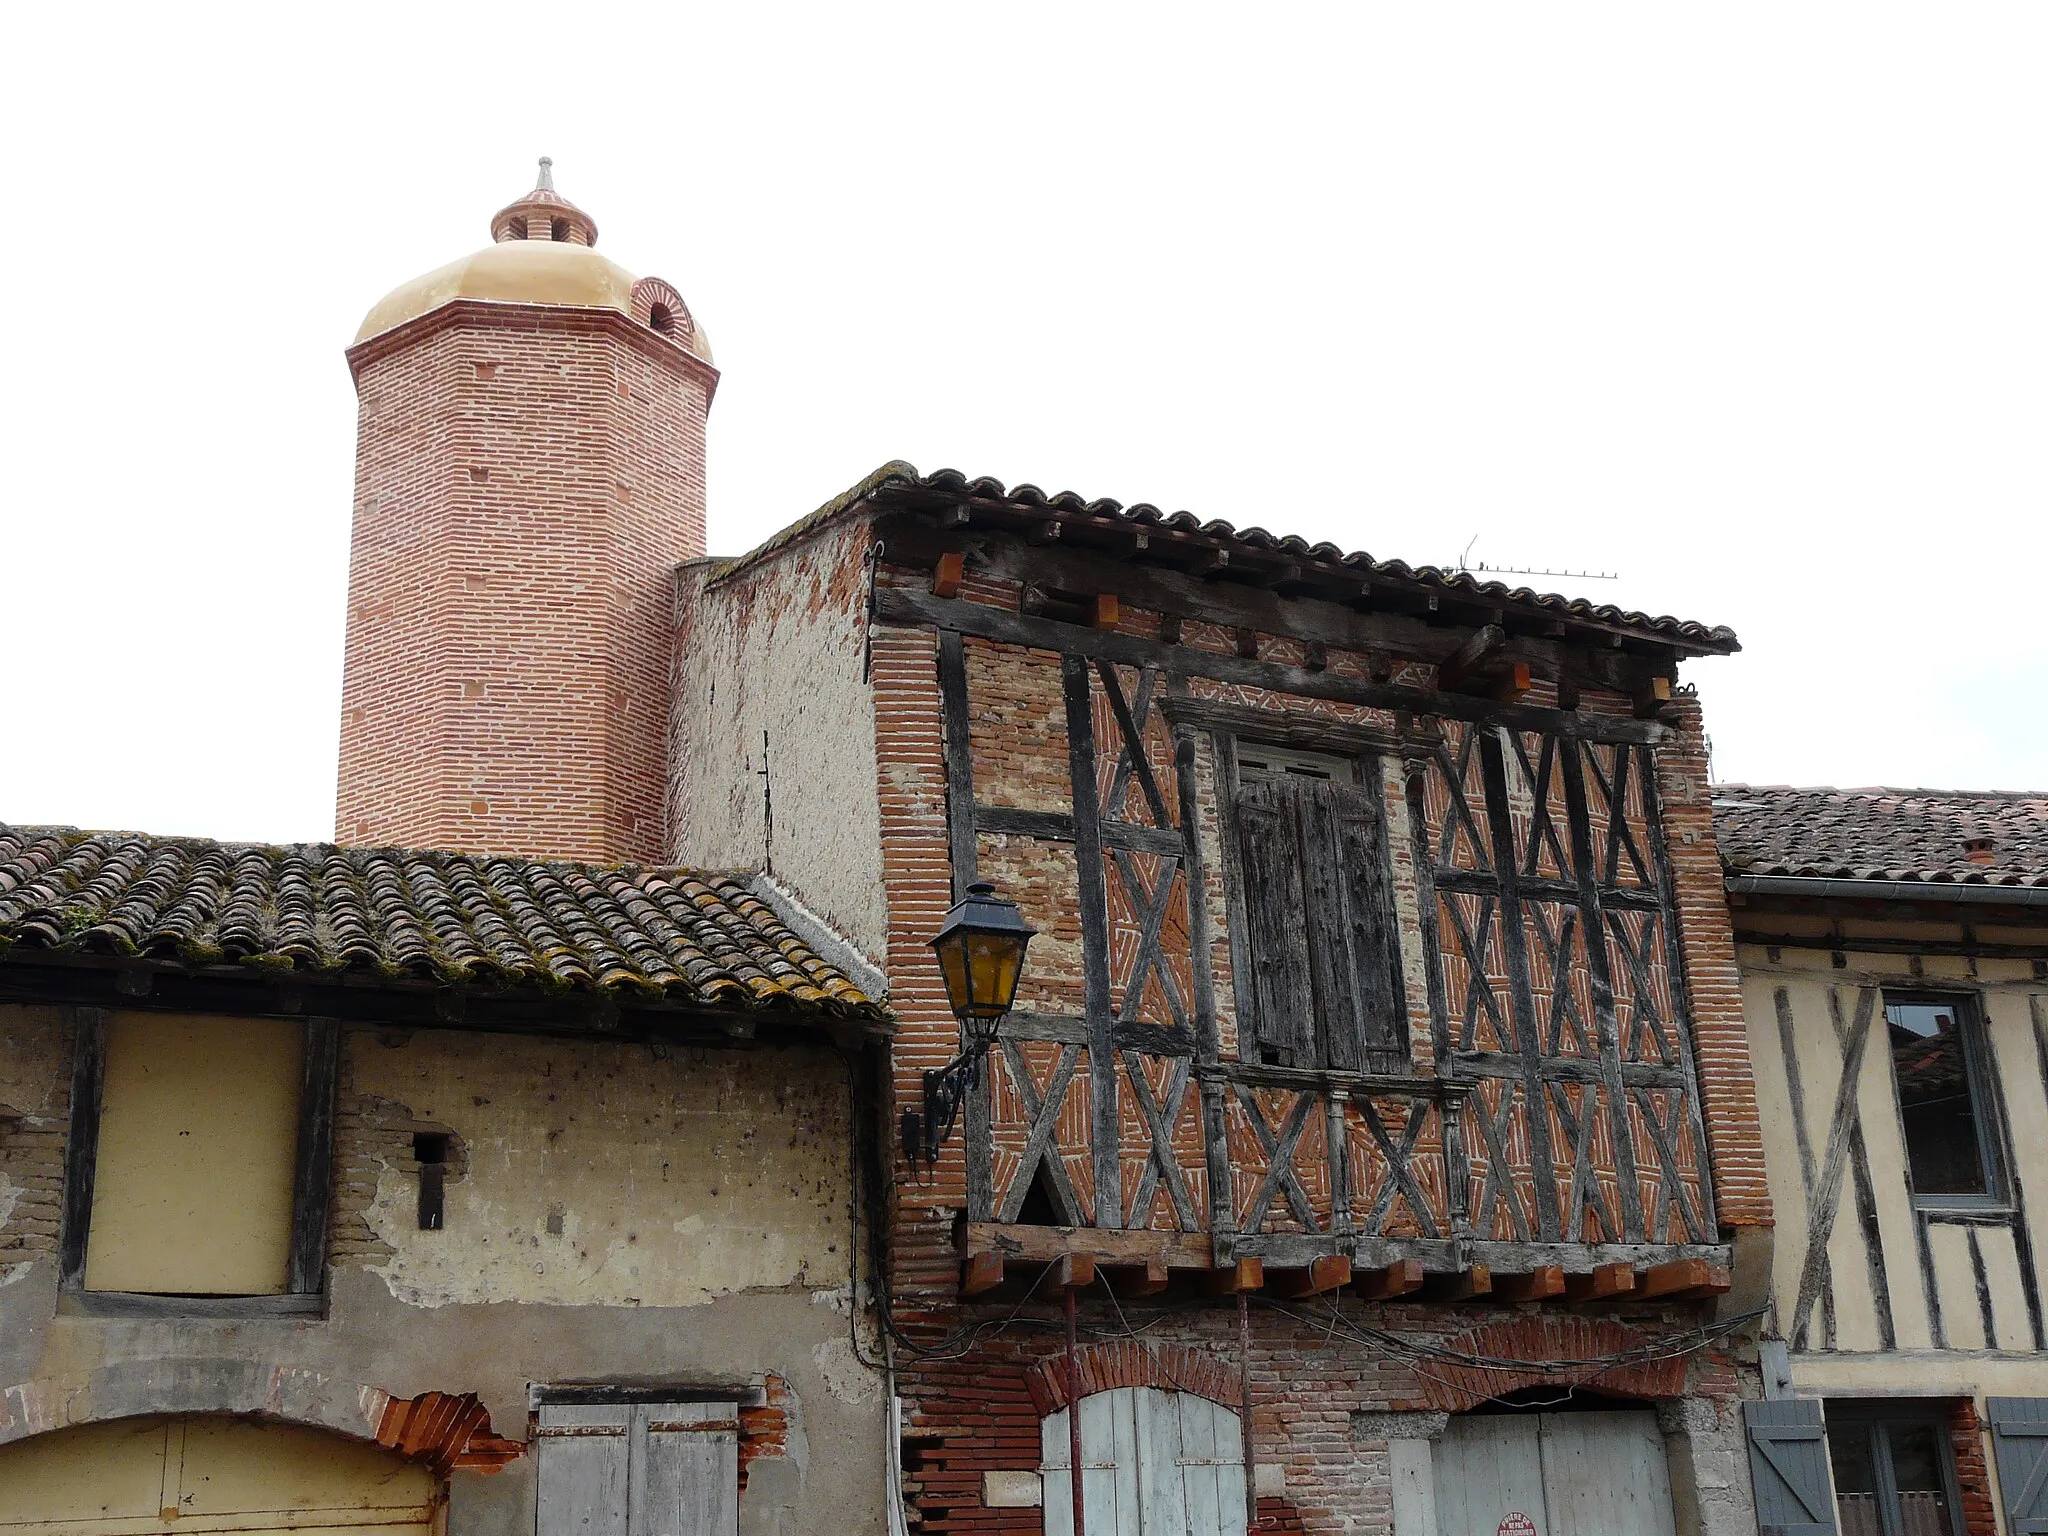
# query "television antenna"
(1465, 568)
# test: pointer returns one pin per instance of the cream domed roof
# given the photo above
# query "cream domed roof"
(543, 255)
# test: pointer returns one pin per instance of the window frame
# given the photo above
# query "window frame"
(1987, 1110)
(1874, 1416)
(312, 1184)
(1233, 730)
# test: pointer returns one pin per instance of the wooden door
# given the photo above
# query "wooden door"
(152, 1477)
(1153, 1463)
(1553, 1474)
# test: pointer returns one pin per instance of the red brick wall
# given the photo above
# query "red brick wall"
(1973, 1477)
(1720, 1037)
(527, 478)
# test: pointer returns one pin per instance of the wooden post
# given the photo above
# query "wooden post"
(1074, 1420)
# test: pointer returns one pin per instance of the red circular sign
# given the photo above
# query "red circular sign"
(1517, 1524)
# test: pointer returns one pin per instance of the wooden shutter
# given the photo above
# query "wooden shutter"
(581, 1456)
(1269, 860)
(1155, 1464)
(690, 1485)
(2019, 1437)
(1788, 1463)
(1365, 1021)
(638, 1469)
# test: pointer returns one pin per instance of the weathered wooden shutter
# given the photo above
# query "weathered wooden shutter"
(691, 1482)
(1788, 1463)
(1269, 858)
(1154, 1464)
(2019, 1437)
(639, 1469)
(1365, 1020)
(581, 1456)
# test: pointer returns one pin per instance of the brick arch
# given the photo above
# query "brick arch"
(1455, 1388)
(650, 291)
(1105, 1367)
(442, 1430)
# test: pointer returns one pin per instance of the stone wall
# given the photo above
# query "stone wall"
(615, 1211)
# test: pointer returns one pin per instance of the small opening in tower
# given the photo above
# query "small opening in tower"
(663, 319)
(515, 228)
(559, 230)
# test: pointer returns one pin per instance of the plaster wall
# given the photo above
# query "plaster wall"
(1873, 1291)
(772, 734)
(615, 1213)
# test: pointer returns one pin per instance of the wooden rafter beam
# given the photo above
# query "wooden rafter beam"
(1332, 1272)
(1459, 1284)
(1472, 660)
(1682, 1279)
(1397, 1279)
(1602, 1283)
(1244, 1275)
(1136, 1282)
(1538, 1284)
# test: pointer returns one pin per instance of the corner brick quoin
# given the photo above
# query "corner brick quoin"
(1454, 1388)
(1105, 1367)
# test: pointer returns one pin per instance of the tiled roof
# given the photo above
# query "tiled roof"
(898, 480)
(1882, 834)
(668, 935)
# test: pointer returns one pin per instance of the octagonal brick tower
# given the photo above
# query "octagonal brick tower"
(529, 470)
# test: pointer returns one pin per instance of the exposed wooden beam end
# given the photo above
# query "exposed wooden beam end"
(1106, 610)
(1472, 659)
(1244, 1275)
(981, 1272)
(1169, 629)
(1459, 1285)
(1537, 1285)
(1651, 697)
(1137, 1282)
(947, 573)
(1681, 1278)
(1512, 681)
(1397, 1279)
(957, 516)
(1330, 1273)
(1315, 656)
(1072, 1272)
(1601, 1283)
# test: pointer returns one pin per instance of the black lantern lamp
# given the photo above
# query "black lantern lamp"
(981, 955)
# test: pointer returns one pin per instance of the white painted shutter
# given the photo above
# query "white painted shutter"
(640, 1469)
(1153, 1463)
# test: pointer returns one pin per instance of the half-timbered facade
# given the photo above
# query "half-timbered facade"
(1894, 954)
(1379, 1061)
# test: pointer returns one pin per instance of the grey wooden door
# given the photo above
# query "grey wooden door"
(1553, 1474)
(638, 1469)
(1153, 1463)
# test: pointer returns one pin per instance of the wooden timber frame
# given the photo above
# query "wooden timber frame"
(1489, 1163)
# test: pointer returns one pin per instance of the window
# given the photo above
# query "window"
(1320, 968)
(637, 1469)
(1937, 1051)
(1893, 1475)
(559, 230)
(662, 319)
(198, 1162)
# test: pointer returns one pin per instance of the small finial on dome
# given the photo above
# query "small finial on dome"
(547, 175)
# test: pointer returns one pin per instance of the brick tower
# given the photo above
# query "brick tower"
(529, 470)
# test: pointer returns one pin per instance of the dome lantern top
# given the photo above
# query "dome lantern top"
(544, 214)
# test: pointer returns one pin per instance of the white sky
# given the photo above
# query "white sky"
(1747, 302)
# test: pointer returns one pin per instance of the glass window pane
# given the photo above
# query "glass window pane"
(1916, 1473)
(1850, 1450)
(1942, 1145)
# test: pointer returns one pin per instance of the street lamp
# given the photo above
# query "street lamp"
(980, 948)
